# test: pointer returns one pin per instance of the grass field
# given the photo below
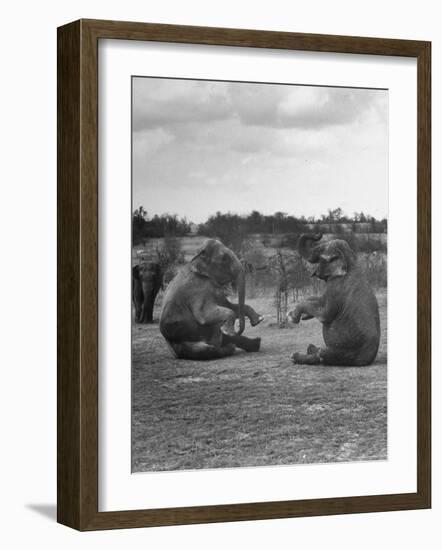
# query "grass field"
(255, 409)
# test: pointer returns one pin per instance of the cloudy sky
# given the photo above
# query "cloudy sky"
(203, 146)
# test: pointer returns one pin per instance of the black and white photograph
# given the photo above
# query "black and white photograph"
(259, 274)
(227, 240)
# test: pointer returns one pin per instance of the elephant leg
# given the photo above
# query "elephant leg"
(341, 357)
(200, 351)
(247, 344)
(147, 309)
(219, 316)
(327, 356)
(137, 296)
(305, 359)
(312, 307)
(137, 306)
(254, 317)
(146, 316)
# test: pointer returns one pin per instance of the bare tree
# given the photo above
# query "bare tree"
(292, 278)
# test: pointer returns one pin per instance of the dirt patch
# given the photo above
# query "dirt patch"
(255, 409)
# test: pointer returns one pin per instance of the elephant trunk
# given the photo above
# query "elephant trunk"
(305, 248)
(240, 284)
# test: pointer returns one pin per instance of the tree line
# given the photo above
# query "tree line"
(281, 222)
(224, 225)
(165, 225)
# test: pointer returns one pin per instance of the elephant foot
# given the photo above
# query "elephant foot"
(294, 316)
(312, 350)
(255, 344)
(256, 320)
(228, 329)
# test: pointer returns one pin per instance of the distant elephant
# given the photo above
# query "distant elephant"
(197, 320)
(348, 309)
(147, 279)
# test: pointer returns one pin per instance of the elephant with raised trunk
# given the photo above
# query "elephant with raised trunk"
(348, 309)
(197, 320)
(147, 279)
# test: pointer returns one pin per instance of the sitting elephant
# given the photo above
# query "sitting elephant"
(197, 320)
(348, 309)
(147, 279)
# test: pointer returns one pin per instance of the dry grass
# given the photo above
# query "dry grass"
(255, 409)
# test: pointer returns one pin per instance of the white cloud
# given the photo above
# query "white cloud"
(206, 146)
(149, 141)
(160, 102)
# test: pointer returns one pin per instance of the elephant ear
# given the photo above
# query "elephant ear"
(200, 263)
(348, 255)
(136, 272)
(337, 264)
(340, 257)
